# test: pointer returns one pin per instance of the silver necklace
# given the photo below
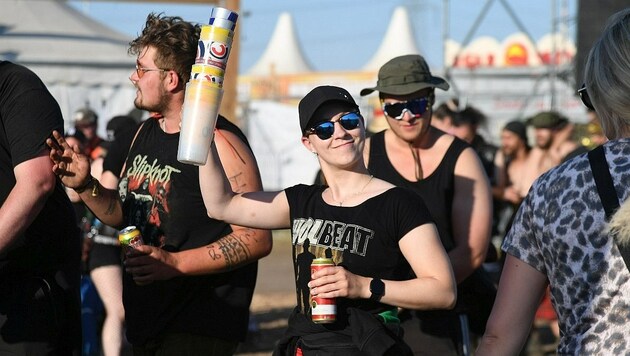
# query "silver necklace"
(353, 194)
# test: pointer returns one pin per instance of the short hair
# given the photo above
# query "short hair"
(175, 40)
(469, 116)
(446, 109)
(607, 75)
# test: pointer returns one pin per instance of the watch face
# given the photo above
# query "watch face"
(377, 287)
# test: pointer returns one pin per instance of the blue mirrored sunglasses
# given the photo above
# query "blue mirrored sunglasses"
(324, 130)
(416, 107)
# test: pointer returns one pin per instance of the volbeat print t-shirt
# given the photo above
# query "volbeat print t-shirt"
(363, 239)
(163, 199)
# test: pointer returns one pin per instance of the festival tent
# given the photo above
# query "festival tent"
(398, 40)
(283, 54)
(83, 62)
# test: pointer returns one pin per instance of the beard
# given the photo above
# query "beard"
(159, 107)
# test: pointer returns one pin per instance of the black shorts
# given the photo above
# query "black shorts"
(104, 255)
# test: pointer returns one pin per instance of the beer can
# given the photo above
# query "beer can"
(323, 310)
(130, 237)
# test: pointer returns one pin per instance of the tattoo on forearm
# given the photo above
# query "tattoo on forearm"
(111, 206)
(234, 248)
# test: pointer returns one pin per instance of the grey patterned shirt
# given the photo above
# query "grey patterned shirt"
(558, 231)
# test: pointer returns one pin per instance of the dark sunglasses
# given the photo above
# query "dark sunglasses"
(416, 107)
(325, 130)
(586, 100)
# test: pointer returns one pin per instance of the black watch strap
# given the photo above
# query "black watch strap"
(377, 288)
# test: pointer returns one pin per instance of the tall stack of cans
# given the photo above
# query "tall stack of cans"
(204, 91)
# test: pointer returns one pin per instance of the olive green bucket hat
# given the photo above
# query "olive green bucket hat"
(547, 120)
(405, 75)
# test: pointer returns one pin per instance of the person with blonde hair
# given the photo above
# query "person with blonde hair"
(560, 237)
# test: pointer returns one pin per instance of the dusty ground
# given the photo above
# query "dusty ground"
(274, 298)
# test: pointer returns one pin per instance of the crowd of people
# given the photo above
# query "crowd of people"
(411, 218)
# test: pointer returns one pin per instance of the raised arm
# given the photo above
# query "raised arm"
(34, 182)
(244, 244)
(471, 215)
(520, 291)
(74, 170)
(221, 180)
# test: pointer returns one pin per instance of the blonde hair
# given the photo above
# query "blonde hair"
(619, 224)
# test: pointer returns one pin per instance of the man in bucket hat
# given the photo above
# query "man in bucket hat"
(447, 173)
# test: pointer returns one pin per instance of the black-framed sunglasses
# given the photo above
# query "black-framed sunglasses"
(416, 107)
(324, 130)
(586, 100)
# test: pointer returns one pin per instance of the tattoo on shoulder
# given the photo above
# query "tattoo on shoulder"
(233, 248)
(237, 182)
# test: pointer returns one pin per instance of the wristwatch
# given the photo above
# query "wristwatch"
(377, 287)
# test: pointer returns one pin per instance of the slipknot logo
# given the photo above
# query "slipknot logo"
(156, 173)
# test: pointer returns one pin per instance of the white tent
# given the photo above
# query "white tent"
(275, 140)
(80, 60)
(283, 54)
(398, 40)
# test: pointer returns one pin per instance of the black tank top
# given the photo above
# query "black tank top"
(437, 190)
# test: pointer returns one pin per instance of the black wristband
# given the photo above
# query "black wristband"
(84, 186)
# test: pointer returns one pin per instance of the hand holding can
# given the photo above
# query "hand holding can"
(323, 310)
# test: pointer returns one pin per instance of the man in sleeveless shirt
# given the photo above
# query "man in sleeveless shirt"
(187, 291)
(447, 173)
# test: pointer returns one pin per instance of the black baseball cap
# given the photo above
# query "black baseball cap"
(317, 97)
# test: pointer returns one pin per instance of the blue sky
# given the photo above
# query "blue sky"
(344, 34)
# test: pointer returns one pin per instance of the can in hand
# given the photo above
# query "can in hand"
(130, 238)
(323, 310)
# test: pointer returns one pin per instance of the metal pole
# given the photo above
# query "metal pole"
(552, 62)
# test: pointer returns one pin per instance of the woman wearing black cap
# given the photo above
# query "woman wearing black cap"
(376, 234)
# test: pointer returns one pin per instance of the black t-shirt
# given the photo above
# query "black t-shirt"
(163, 198)
(28, 115)
(363, 239)
(117, 152)
(437, 189)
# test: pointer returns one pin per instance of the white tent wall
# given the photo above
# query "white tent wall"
(81, 61)
(275, 138)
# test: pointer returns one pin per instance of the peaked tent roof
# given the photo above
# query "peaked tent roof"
(283, 54)
(399, 40)
(59, 43)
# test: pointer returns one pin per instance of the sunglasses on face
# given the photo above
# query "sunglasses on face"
(586, 100)
(325, 130)
(416, 107)
(140, 71)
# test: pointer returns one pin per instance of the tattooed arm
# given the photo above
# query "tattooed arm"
(242, 246)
